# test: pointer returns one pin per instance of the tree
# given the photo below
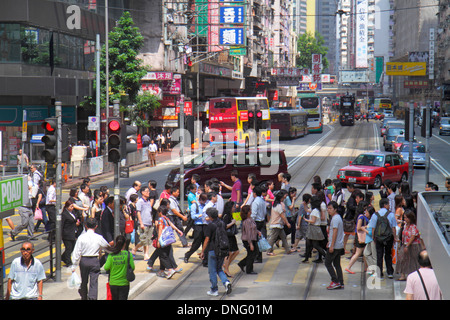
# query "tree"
(125, 70)
(308, 44)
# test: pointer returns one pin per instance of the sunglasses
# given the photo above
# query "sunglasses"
(25, 249)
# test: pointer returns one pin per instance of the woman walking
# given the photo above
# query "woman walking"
(410, 247)
(69, 225)
(314, 234)
(249, 239)
(231, 228)
(117, 264)
(278, 221)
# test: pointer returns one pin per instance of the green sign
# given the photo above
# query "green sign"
(238, 51)
(13, 192)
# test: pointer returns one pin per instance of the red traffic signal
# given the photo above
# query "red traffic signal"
(114, 140)
(114, 126)
(49, 140)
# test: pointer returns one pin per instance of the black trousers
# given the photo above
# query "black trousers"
(199, 237)
(89, 270)
(261, 226)
(247, 262)
(51, 224)
(385, 249)
(119, 292)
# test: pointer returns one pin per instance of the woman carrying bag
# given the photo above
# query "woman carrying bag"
(118, 264)
(314, 234)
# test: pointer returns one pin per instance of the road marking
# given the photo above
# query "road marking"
(301, 155)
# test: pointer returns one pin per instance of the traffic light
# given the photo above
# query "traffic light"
(114, 139)
(50, 140)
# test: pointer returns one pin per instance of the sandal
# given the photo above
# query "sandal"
(349, 271)
(270, 253)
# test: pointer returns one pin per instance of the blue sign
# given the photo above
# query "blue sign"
(232, 14)
(231, 36)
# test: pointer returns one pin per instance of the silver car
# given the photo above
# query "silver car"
(444, 127)
(419, 156)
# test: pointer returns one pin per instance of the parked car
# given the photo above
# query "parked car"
(391, 133)
(264, 162)
(419, 154)
(373, 168)
(444, 127)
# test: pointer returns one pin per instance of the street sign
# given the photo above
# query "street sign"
(14, 192)
(93, 123)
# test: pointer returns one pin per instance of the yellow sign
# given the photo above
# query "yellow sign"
(406, 68)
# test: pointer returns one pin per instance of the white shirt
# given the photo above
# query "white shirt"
(51, 195)
(152, 147)
(129, 193)
(88, 245)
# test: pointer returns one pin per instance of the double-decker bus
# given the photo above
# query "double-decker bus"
(290, 123)
(382, 104)
(310, 103)
(242, 121)
(347, 110)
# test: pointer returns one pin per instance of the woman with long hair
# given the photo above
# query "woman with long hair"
(410, 247)
(230, 223)
(69, 225)
(314, 233)
(116, 264)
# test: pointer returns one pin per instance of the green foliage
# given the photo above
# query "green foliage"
(309, 44)
(125, 69)
(145, 104)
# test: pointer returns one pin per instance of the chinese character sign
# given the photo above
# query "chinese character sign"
(231, 36)
(361, 33)
(234, 14)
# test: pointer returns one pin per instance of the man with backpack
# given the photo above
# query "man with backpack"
(383, 225)
(217, 246)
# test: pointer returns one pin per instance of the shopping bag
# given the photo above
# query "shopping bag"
(167, 237)
(74, 281)
(263, 244)
(38, 214)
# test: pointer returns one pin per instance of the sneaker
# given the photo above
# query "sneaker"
(212, 293)
(228, 287)
(390, 276)
(170, 273)
(334, 285)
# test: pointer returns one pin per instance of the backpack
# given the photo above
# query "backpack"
(221, 243)
(383, 230)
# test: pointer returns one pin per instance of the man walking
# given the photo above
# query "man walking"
(198, 215)
(26, 217)
(26, 276)
(335, 247)
(214, 262)
(86, 255)
(176, 215)
(259, 211)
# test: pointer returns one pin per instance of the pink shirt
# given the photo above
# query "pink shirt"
(414, 285)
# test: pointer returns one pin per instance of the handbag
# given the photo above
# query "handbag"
(130, 272)
(129, 226)
(167, 236)
(263, 244)
(349, 225)
(38, 214)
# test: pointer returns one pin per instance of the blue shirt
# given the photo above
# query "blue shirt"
(191, 199)
(374, 219)
(288, 203)
(25, 279)
(198, 213)
(259, 209)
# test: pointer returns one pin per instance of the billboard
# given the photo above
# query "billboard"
(361, 33)
(406, 68)
(351, 76)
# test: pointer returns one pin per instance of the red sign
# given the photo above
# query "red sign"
(187, 108)
(244, 116)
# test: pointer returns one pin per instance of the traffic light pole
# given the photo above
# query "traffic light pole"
(411, 145)
(58, 179)
(116, 112)
(427, 137)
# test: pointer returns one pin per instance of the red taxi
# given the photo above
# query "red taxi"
(373, 168)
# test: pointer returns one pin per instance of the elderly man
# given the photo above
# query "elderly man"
(26, 276)
(133, 190)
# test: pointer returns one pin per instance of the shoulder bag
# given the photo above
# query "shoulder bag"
(167, 235)
(130, 272)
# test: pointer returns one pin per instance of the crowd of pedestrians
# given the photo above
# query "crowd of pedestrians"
(324, 218)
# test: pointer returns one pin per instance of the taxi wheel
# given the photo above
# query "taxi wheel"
(377, 182)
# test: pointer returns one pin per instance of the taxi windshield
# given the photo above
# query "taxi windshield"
(369, 160)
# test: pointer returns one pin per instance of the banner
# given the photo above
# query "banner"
(406, 68)
(361, 34)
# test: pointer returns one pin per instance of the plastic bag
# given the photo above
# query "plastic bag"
(74, 281)
(38, 214)
(263, 244)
